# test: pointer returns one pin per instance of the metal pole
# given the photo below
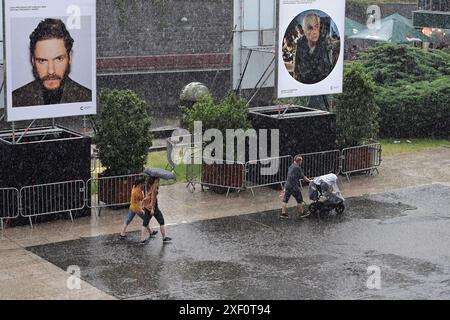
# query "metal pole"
(84, 124)
(245, 69)
(26, 131)
(13, 127)
(241, 22)
(264, 73)
(230, 44)
(267, 78)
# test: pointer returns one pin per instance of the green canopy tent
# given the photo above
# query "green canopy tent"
(399, 17)
(352, 27)
(393, 29)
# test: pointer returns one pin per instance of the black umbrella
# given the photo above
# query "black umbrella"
(160, 173)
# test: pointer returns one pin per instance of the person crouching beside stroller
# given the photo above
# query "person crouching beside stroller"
(292, 188)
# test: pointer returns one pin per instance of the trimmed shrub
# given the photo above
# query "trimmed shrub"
(230, 113)
(413, 90)
(356, 110)
(122, 132)
(420, 109)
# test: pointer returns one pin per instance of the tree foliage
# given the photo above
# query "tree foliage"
(418, 109)
(394, 65)
(356, 110)
(413, 90)
(229, 113)
(122, 131)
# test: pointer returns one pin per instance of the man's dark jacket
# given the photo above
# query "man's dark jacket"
(31, 94)
(311, 68)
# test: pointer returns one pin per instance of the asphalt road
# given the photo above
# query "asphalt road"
(392, 245)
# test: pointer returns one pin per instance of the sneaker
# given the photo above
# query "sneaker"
(305, 214)
(154, 233)
(121, 237)
(284, 216)
(145, 241)
(167, 239)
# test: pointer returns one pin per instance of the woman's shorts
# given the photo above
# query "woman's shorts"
(131, 215)
(147, 217)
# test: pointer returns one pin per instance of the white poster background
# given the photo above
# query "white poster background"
(287, 86)
(21, 18)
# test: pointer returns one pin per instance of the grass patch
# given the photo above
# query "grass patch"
(154, 160)
(159, 160)
(397, 146)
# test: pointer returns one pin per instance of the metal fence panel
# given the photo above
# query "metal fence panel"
(9, 203)
(229, 174)
(52, 198)
(193, 174)
(361, 158)
(110, 191)
(320, 163)
(266, 172)
(178, 149)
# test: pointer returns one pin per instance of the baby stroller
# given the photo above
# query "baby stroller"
(326, 196)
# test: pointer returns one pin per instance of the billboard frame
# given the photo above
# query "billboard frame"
(334, 88)
(87, 105)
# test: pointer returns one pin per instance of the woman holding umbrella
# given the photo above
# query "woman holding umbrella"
(137, 196)
(150, 203)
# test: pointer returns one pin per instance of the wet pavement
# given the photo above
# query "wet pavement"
(406, 233)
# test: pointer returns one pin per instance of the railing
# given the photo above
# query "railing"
(110, 191)
(319, 163)
(266, 172)
(51, 198)
(220, 177)
(68, 196)
(9, 204)
(179, 149)
(361, 158)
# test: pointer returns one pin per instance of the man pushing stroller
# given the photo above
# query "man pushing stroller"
(323, 191)
(291, 188)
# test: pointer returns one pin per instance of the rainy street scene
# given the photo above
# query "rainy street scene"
(217, 150)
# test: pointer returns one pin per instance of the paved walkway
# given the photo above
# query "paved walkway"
(24, 275)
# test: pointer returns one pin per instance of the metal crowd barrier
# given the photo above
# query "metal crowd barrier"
(9, 204)
(193, 175)
(221, 177)
(177, 146)
(50, 198)
(361, 158)
(100, 192)
(266, 172)
(319, 163)
(111, 191)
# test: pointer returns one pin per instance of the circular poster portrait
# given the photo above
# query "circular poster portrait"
(311, 46)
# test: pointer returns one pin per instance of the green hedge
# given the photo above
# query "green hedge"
(393, 65)
(229, 113)
(420, 109)
(413, 90)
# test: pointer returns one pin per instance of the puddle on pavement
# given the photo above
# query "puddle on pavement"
(363, 208)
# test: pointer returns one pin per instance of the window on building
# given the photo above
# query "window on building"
(434, 5)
